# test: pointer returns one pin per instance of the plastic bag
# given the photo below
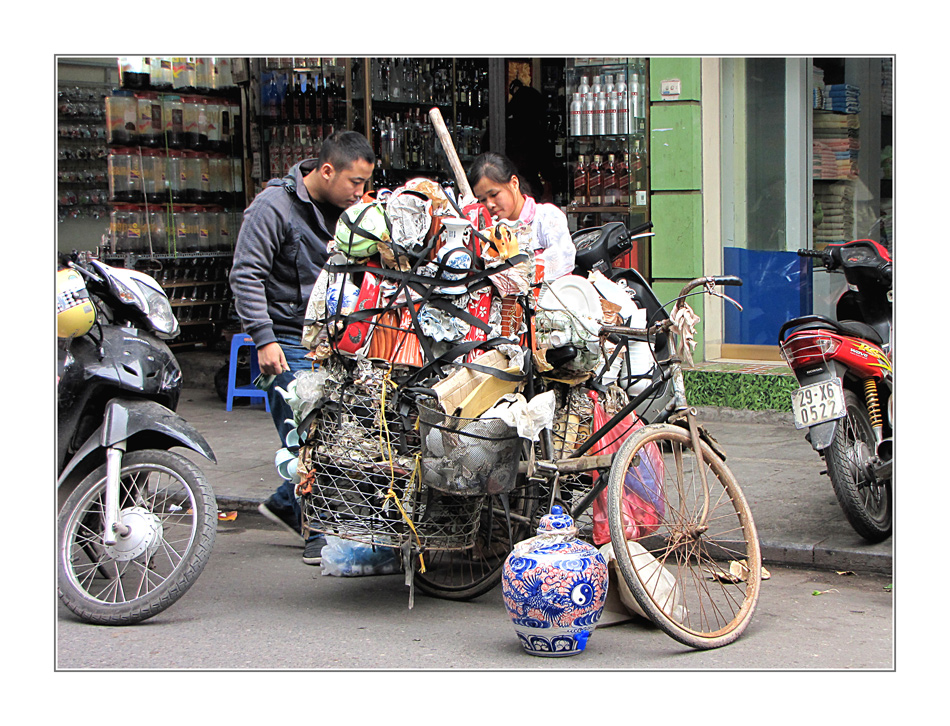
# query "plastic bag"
(346, 558)
(662, 584)
(643, 503)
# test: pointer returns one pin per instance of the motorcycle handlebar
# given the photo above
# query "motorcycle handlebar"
(645, 227)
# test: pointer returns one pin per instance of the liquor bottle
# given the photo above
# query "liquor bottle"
(398, 144)
(609, 84)
(612, 122)
(623, 107)
(634, 92)
(310, 101)
(623, 180)
(588, 125)
(294, 102)
(637, 168)
(643, 90)
(580, 182)
(595, 187)
(600, 113)
(576, 115)
(611, 194)
(386, 142)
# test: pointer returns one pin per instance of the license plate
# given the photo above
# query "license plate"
(817, 403)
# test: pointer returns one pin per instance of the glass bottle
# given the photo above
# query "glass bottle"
(623, 180)
(595, 182)
(611, 193)
(580, 182)
(637, 168)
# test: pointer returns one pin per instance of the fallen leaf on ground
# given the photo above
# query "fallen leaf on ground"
(738, 572)
(227, 516)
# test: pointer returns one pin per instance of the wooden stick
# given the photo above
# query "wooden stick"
(435, 116)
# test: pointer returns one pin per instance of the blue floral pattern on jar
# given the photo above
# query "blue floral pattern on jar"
(555, 587)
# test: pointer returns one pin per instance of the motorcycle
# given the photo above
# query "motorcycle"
(597, 248)
(844, 368)
(136, 520)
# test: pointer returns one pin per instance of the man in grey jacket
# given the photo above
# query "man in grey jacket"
(281, 248)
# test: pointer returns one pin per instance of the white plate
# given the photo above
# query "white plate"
(574, 294)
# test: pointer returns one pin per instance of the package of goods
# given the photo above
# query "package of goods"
(467, 456)
(468, 392)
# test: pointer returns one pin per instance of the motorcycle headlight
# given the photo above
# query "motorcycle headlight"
(160, 313)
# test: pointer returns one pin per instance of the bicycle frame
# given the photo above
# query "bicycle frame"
(677, 408)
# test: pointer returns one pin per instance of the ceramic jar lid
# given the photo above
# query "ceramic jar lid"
(557, 522)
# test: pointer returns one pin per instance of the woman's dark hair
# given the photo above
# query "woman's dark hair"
(342, 148)
(495, 166)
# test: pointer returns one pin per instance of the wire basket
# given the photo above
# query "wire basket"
(362, 489)
(467, 456)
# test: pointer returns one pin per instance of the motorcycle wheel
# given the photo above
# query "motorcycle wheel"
(172, 512)
(866, 503)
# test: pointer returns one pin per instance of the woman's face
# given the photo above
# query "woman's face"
(503, 200)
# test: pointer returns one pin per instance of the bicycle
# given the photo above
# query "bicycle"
(363, 480)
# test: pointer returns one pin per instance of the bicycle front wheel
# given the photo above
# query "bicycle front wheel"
(692, 559)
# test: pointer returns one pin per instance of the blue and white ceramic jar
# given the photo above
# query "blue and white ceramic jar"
(555, 586)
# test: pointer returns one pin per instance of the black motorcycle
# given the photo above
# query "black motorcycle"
(137, 521)
(597, 249)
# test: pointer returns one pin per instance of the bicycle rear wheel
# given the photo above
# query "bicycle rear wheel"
(465, 574)
(686, 538)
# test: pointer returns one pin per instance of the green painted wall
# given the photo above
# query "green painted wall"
(678, 242)
(676, 174)
(676, 142)
(687, 70)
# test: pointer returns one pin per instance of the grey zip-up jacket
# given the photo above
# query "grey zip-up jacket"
(281, 248)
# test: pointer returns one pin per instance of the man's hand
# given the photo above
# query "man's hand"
(271, 359)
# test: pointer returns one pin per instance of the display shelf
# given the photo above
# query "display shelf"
(607, 154)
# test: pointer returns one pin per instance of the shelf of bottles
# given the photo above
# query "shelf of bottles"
(174, 138)
(402, 90)
(175, 174)
(607, 143)
(302, 101)
(82, 183)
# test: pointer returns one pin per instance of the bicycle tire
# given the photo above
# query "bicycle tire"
(697, 602)
(470, 573)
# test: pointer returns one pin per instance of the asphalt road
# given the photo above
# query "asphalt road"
(257, 607)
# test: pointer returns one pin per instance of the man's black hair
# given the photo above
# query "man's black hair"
(342, 148)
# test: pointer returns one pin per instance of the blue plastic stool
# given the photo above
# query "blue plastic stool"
(239, 341)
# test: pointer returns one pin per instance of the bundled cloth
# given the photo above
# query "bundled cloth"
(837, 204)
(842, 97)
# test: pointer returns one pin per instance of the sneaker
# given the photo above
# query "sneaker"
(283, 516)
(312, 551)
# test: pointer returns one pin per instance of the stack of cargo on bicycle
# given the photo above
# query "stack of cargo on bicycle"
(456, 396)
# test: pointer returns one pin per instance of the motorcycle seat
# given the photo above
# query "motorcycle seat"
(854, 328)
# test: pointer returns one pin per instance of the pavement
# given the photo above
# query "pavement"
(798, 518)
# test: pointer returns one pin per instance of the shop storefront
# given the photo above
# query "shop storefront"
(739, 162)
(806, 149)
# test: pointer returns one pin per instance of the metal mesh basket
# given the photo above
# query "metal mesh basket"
(363, 490)
(467, 456)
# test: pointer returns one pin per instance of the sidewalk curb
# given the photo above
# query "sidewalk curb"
(813, 556)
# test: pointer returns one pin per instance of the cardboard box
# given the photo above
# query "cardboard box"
(467, 393)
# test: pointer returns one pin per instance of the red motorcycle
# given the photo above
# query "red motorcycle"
(845, 369)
